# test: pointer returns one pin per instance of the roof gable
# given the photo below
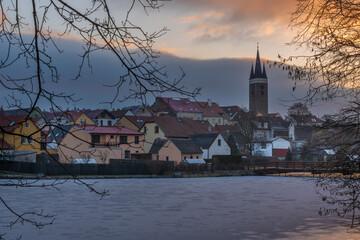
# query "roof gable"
(157, 145)
(205, 140)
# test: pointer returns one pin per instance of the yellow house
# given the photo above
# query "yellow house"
(21, 132)
(171, 127)
(151, 131)
(175, 150)
(79, 118)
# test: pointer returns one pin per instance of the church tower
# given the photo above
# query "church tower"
(258, 87)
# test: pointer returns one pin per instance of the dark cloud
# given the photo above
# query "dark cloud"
(222, 80)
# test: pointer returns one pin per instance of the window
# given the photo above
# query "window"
(156, 129)
(262, 93)
(144, 129)
(213, 121)
(101, 122)
(219, 121)
(157, 157)
(109, 123)
(219, 142)
(30, 139)
(95, 138)
(123, 139)
(111, 136)
(23, 140)
(136, 139)
(184, 158)
(197, 157)
(167, 158)
(263, 145)
(191, 157)
(27, 125)
(127, 154)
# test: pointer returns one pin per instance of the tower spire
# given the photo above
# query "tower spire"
(252, 71)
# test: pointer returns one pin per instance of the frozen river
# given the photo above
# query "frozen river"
(162, 209)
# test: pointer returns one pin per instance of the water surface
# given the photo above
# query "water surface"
(193, 208)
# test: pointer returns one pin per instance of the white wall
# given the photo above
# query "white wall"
(281, 144)
(215, 149)
(259, 151)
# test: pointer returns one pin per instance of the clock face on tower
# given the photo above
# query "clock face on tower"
(258, 88)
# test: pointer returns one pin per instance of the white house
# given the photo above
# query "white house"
(274, 147)
(211, 144)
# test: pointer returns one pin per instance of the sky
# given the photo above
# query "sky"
(214, 42)
(208, 29)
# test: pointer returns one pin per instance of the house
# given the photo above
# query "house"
(140, 110)
(184, 108)
(101, 117)
(175, 150)
(117, 114)
(171, 127)
(31, 112)
(278, 126)
(21, 133)
(233, 114)
(177, 107)
(212, 113)
(102, 143)
(55, 136)
(78, 117)
(306, 120)
(274, 147)
(211, 144)
(300, 136)
(133, 122)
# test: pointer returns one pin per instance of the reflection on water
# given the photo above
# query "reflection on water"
(196, 208)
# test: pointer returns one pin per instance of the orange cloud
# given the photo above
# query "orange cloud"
(204, 16)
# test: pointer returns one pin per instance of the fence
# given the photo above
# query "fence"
(124, 167)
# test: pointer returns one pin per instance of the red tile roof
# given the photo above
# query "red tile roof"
(181, 127)
(212, 110)
(225, 128)
(138, 120)
(181, 104)
(71, 115)
(109, 130)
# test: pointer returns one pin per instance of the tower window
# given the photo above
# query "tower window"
(252, 93)
(262, 87)
(262, 93)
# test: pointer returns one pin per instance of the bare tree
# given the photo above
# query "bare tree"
(247, 127)
(328, 30)
(298, 112)
(28, 34)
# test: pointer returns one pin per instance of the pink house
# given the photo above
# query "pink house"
(100, 143)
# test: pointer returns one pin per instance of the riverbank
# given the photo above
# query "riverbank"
(311, 175)
(9, 175)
